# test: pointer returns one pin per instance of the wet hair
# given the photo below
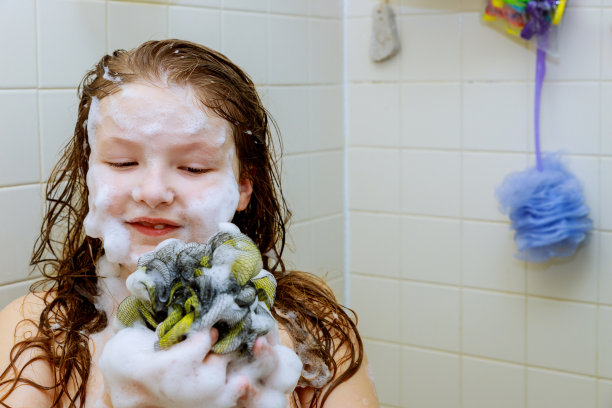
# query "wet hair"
(323, 331)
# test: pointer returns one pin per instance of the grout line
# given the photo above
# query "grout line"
(346, 192)
(40, 140)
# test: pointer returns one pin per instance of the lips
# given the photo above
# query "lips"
(153, 227)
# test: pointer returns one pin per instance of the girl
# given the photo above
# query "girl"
(199, 153)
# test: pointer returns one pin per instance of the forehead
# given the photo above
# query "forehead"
(143, 110)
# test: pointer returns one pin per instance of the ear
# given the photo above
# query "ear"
(245, 186)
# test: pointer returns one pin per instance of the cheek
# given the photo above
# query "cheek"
(106, 192)
(214, 204)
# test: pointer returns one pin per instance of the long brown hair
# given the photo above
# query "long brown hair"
(67, 258)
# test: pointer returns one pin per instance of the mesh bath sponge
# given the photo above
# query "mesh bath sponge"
(184, 287)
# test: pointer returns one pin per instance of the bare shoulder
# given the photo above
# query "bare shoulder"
(19, 319)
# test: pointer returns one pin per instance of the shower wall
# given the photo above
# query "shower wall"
(451, 318)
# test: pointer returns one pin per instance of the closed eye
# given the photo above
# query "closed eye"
(194, 170)
(122, 164)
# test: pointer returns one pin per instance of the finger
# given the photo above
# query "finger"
(261, 347)
(214, 336)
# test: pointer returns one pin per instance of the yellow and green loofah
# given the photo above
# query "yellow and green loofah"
(194, 286)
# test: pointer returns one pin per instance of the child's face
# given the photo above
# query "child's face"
(160, 167)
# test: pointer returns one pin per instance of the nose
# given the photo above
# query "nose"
(153, 188)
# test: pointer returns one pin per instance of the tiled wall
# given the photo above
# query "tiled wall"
(432, 132)
(291, 48)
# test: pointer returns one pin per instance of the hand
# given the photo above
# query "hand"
(188, 374)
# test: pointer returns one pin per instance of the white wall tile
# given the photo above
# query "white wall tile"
(298, 250)
(605, 393)
(490, 54)
(575, 61)
(199, 3)
(288, 50)
(574, 278)
(438, 58)
(605, 268)
(606, 119)
(559, 390)
(488, 257)
(250, 52)
(19, 154)
(431, 183)
(423, 240)
(130, 25)
(429, 379)
(487, 384)
(493, 325)
(422, 126)
(326, 107)
(202, 26)
(327, 184)
(586, 170)
(337, 286)
(429, 6)
(361, 7)
(567, 125)
(430, 316)
(326, 8)
(328, 247)
(562, 335)
(248, 5)
(78, 28)
(374, 115)
(483, 173)
(606, 43)
(495, 116)
(359, 65)
(296, 186)
(325, 48)
(604, 354)
(384, 360)
(58, 115)
(605, 220)
(20, 216)
(299, 7)
(290, 108)
(18, 43)
(372, 298)
(12, 291)
(374, 180)
(375, 244)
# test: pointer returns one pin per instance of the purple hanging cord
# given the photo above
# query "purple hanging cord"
(540, 73)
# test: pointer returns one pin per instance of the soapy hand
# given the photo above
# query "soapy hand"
(189, 375)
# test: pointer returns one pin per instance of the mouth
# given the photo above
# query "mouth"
(153, 227)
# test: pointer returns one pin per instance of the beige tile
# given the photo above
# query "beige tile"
(423, 240)
(384, 367)
(298, 248)
(80, 28)
(431, 183)
(605, 268)
(296, 186)
(374, 115)
(375, 244)
(202, 26)
(20, 217)
(325, 51)
(374, 180)
(549, 389)
(562, 335)
(297, 7)
(249, 52)
(290, 108)
(377, 303)
(19, 155)
(18, 43)
(487, 384)
(493, 325)
(604, 394)
(58, 115)
(246, 5)
(604, 354)
(132, 24)
(483, 245)
(429, 379)
(288, 51)
(326, 110)
(430, 316)
(326, 184)
(328, 247)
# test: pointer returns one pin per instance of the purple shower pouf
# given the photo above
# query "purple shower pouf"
(547, 210)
